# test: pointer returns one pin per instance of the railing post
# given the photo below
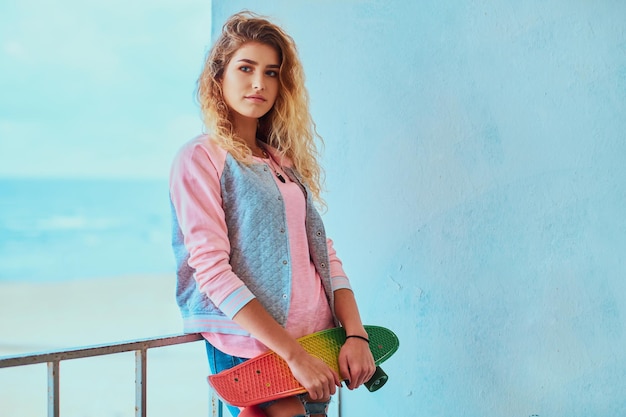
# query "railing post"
(140, 382)
(216, 405)
(53, 389)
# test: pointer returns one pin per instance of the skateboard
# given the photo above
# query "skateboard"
(267, 377)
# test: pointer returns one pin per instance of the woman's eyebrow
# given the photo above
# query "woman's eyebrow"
(252, 62)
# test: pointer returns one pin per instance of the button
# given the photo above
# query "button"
(323, 264)
(319, 233)
(282, 230)
(285, 296)
(284, 262)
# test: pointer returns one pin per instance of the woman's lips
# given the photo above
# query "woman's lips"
(256, 98)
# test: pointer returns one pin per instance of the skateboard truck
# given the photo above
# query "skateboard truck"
(377, 380)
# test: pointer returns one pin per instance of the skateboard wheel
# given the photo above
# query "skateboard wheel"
(377, 380)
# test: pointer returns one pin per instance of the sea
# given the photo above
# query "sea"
(71, 229)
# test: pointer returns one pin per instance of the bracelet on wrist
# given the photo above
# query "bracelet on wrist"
(356, 336)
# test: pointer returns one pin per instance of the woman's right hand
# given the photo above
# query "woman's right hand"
(315, 376)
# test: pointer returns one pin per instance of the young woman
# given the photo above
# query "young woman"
(255, 268)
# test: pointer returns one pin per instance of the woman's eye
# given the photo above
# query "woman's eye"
(272, 73)
(245, 68)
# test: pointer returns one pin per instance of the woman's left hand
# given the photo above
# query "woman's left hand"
(356, 363)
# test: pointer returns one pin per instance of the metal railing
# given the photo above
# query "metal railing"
(140, 347)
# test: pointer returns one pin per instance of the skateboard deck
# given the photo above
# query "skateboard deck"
(267, 377)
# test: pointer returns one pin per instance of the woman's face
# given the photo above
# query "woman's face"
(250, 81)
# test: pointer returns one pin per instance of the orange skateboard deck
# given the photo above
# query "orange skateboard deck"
(267, 377)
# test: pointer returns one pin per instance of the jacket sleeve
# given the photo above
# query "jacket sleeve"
(339, 278)
(195, 192)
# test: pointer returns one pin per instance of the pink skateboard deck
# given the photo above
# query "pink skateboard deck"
(267, 377)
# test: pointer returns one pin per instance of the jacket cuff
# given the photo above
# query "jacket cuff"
(340, 282)
(236, 301)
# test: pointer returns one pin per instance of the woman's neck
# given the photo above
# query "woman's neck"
(245, 130)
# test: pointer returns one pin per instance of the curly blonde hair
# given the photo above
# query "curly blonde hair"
(288, 126)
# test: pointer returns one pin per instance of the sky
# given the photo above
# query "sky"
(98, 89)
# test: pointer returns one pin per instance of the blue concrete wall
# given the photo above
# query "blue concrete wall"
(475, 155)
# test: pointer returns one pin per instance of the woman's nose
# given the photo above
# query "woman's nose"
(258, 83)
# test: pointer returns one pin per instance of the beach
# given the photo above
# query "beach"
(36, 317)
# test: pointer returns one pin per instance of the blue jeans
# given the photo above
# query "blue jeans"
(219, 361)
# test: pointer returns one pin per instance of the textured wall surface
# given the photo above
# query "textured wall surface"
(476, 188)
